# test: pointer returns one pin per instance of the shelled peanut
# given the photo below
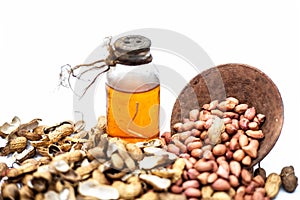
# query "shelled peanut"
(218, 144)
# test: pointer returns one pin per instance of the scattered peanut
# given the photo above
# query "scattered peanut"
(221, 195)
(272, 185)
(289, 179)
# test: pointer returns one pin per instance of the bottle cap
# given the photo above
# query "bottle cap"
(133, 50)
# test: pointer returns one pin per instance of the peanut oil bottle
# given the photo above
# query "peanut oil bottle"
(133, 91)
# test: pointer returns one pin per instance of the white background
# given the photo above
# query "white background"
(37, 37)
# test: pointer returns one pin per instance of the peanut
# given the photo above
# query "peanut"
(190, 184)
(235, 123)
(223, 170)
(230, 128)
(208, 123)
(217, 112)
(221, 195)
(226, 105)
(194, 145)
(191, 139)
(207, 154)
(230, 103)
(251, 187)
(234, 181)
(240, 193)
(193, 174)
(10, 191)
(231, 115)
(117, 161)
(18, 144)
(184, 135)
(203, 166)
(173, 149)
(261, 190)
(213, 105)
(260, 118)
(212, 178)
(196, 133)
(220, 185)
(232, 100)
(255, 134)
(204, 135)
(238, 155)
(234, 144)
(192, 160)
(176, 189)
(224, 137)
(272, 185)
(192, 192)
(204, 115)
(247, 160)
(178, 127)
(188, 126)
(199, 125)
(259, 180)
(253, 126)
(214, 165)
(227, 120)
(258, 195)
(219, 150)
(246, 176)
(235, 168)
(243, 123)
(203, 177)
(197, 153)
(194, 114)
(243, 140)
(251, 148)
(167, 136)
(289, 179)
(250, 113)
(229, 155)
(241, 108)
(180, 145)
(207, 192)
(188, 164)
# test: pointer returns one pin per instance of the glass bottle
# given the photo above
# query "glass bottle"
(133, 91)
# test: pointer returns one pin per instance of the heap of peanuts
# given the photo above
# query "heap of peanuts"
(218, 144)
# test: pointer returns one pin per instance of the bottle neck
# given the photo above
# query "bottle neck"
(133, 78)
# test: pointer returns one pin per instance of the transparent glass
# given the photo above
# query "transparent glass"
(132, 102)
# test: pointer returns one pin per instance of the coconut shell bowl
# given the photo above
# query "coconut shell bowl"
(246, 83)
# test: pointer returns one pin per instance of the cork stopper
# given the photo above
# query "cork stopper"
(133, 50)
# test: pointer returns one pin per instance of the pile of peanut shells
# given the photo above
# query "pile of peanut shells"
(65, 161)
(208, 157)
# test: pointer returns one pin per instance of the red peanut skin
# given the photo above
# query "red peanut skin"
(176, 189)
(190, 184)
(192, 192)
(203, 166)
(220, 185)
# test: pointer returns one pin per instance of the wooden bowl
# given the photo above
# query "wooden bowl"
(246, 83)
